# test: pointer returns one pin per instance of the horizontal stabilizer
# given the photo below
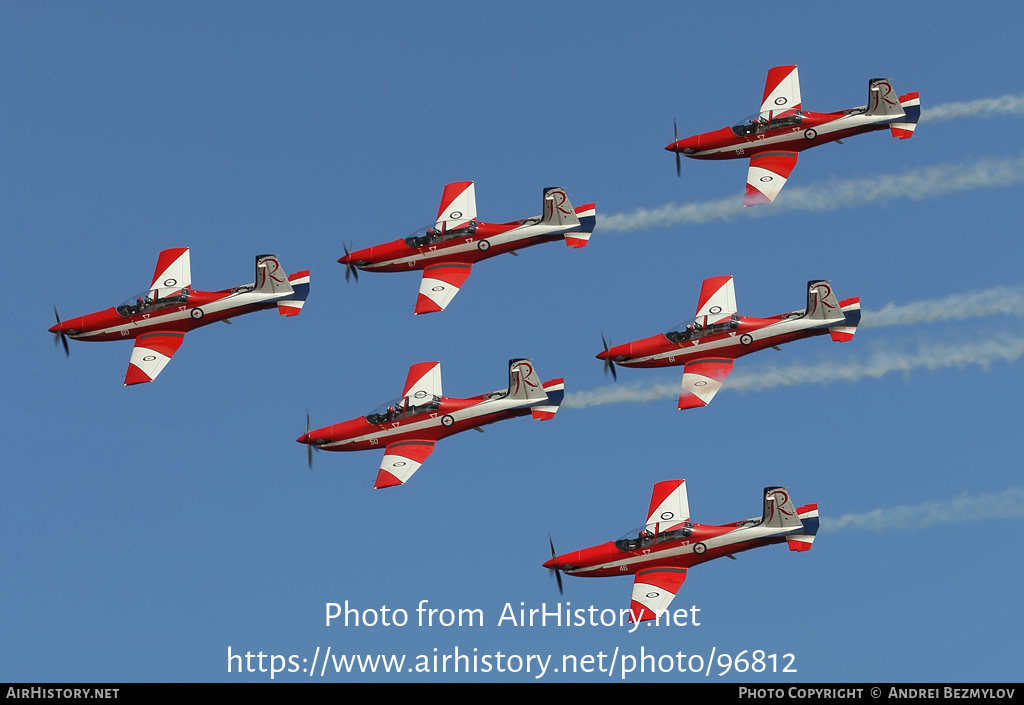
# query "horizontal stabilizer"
(808, 515)
(555, 389)
(851, 310)
(911, 104)
(300, 287)
(588, 220)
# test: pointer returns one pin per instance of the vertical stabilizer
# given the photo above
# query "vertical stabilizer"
(779, 512)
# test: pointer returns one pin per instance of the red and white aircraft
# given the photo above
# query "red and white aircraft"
(774, 137)
(718, 335)
(409, 426)
(659, 553)
(447, 250)
(159, 317)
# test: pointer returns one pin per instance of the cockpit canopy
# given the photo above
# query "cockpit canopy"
(150, 301)
(644, 536)
(402, 408)
(766, 121)
(427, 235)
(700, 327)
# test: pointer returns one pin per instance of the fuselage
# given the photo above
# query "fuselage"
(179, 311)
(729, 340)
(678, 547)
(793, 132)
(432, 421)
(466, 245)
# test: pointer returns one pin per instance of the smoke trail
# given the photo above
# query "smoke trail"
(999, 300)
(881, 362)
(1008, 504)
(987, 107)
(929, 182)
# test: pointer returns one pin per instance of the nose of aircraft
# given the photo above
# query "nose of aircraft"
(686, 146)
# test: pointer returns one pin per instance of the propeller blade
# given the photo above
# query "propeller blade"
(60, 335)
(608, 364)
(309, 447)
(558, 573)
(679, 162)
(350, 268)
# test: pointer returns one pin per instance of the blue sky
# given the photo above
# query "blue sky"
(146, 530)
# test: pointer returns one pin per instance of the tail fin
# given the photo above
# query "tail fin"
(300, 288)
(882, 99)
(808, 515)
(555, 389)
(821, 302)
(851, 312)
(558, 210)
(523, 382)
(271, 277)
(588, 220)
(911, 104)
(779, 512)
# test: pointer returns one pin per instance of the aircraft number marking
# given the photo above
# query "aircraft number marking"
(124, 332)
(374, 441)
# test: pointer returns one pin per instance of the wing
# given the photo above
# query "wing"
(440, 284)
(151, 353)
(401, 460)
(701, 381)
(424, 381)
(458, 206)
(669, 504)
(717, 299)
(766, 176)
(653, 591)
(781, 90)
(173, 270)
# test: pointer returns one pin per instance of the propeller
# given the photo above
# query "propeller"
(309, 445)
(350, 268)
(608, 364)
(557, 572)
(60, 335)
(679, 164)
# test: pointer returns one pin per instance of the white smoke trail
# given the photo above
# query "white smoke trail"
(987, 107)
(1008, 504)
(999, 300)
(929, 182)
(880, 362)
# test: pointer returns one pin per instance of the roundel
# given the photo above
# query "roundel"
(447, 420)
(665, 516)
(652, 595)
(699, 548)
(197, 313)
(170, 282)
(810, 134)
(700, 383)
(399, 464)
(746, 339)
(484, 245)
(149, 358)
(455, 214)
(420, 394)
(766, 179)
(780, 100)
(715, 309)
(438, 288)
